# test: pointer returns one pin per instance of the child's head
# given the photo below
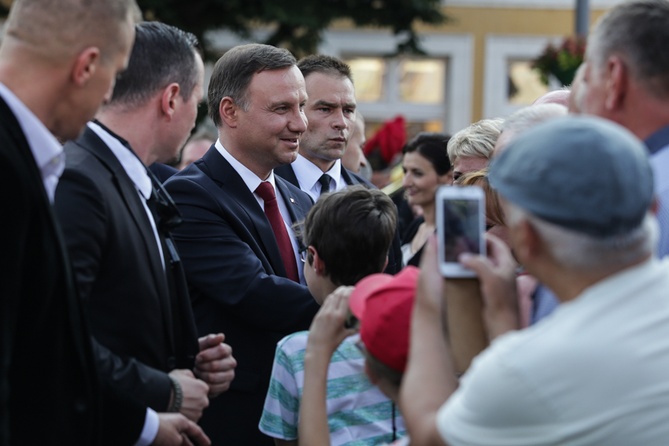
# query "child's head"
(383, 305)
(348, 235)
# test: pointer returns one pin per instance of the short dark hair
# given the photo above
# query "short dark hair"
(161, 55)
(233, 72)
(381, 370)
(638, 31)
(431, 146)
(352, 230)
(320, 63)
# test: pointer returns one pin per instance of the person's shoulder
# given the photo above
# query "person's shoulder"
(354, 178)
(190, 174)
(293, 342)
(162, 171)
(294, 192)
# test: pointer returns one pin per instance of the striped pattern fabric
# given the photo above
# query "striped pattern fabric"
(358, 413)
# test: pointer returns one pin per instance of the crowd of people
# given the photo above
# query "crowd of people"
(265, 292)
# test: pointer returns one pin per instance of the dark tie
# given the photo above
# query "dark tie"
(266, 192)
(324, 180)
(165, 212)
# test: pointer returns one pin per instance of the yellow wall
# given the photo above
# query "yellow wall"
(480, 22)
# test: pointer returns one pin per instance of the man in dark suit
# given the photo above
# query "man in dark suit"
(54, 73)
(239, 249)
(331, 113)
(117, 229)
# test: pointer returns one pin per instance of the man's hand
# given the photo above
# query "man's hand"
(497, 274)
(215, 364)
(195, 393)
(177, 430)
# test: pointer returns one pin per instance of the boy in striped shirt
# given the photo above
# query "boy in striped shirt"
(347, 235)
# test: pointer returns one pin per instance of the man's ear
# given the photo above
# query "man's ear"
(527, 243)
(317, 263)
(85, 65)
(228, 110)
(169, 98)
(617, 83)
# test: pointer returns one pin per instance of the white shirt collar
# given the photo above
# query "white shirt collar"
(46, 149)
(132, 165)
(308, 173)
(251, 180)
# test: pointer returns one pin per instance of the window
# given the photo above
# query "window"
(422, 81)
(524, 85)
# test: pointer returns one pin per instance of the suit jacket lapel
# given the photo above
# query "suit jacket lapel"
(90, 142)
(348, 178)
(237, 193)
(287, 172)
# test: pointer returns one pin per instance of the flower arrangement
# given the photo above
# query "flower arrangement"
(562, 61)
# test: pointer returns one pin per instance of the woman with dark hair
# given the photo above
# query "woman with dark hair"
(426, 167)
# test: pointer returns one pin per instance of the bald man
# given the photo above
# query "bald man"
(58, 61)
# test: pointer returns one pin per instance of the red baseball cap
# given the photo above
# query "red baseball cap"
(383, 304)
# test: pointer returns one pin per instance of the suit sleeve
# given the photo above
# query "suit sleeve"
(81, 212)
(123, 416)
(222, 261)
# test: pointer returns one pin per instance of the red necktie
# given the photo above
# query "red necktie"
(266, 192)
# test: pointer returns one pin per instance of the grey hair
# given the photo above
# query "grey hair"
(578, 251)
(638, 32)
(526, 118)
(476, 140)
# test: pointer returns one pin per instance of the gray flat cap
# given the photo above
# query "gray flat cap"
(583, 173)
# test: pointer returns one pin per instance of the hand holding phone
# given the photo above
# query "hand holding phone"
(460, 227)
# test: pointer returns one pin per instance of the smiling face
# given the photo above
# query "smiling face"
(330, 110)
(267, 134)
(420, 180)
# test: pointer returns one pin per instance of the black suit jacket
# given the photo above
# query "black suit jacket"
(162, 171)
(395, 254)
(238, 285)
(50, 392)
(145, 328)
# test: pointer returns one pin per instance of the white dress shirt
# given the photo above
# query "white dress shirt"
(46, 149)
(50, 159)
(308, 173)
(252, 181)
(137, 173)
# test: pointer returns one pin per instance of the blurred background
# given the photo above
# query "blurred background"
(440, 64)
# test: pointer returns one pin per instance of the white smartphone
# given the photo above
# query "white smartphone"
(460, 227)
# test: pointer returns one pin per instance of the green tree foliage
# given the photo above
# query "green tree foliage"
(296, 24)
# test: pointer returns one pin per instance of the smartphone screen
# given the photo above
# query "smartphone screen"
(460, 226)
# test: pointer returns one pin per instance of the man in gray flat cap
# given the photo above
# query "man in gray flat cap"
(594, 372)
